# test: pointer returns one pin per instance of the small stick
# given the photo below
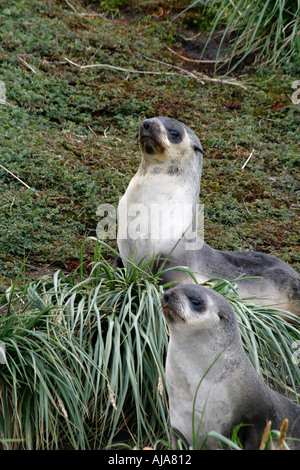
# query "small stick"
(221, 80)
(10, 209)
(9, 104)
(83, 14)
(26, 64)
(245, 206)
(248, 159)
(97, 15)
(201, 77)
(15, 176)
(92, 131)
(39, 230)
(231, 2)
(117, 68)
(71, 6)
(186, 72)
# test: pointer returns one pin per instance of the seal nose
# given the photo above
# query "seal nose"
(147, 124)
(167, 295)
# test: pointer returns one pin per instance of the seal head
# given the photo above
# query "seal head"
(163, 138)
(189, 304)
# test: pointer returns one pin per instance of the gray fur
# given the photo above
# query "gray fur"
(232, 392)
(277, 285)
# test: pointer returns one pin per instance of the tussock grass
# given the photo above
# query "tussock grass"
(105, 331)
(267, 30)
(83, 358)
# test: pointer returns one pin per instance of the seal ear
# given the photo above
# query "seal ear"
(199, 149)
(223, 315)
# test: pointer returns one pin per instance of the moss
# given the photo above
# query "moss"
(70, 133)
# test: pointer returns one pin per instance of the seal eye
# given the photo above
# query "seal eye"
(173, 133)
(197, 304)
(174, 136)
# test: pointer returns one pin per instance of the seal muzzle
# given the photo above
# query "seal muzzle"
(150, 137)
(172, 307)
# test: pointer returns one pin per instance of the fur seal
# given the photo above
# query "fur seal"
(204, 336)
(151, 214)
(157, 218)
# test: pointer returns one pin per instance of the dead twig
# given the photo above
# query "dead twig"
(248, 159)
(231, 2)
(26, 64)
(11, 206)
(92, 15)
(246, 206)
(166, 64)
(71, 6)
(122, 69)
(12, 174)
(84, 14)
(8, 104)
(200, 78)
(197, 76)
(221, 80)
(39, 230)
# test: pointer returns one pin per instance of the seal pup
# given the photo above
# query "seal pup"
(160, 201)
(205, 348)
(157, 218)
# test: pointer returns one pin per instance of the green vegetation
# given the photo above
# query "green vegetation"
(78, 78)
(266, 30)
(103, 330)
(70, 133)
(84, 358)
